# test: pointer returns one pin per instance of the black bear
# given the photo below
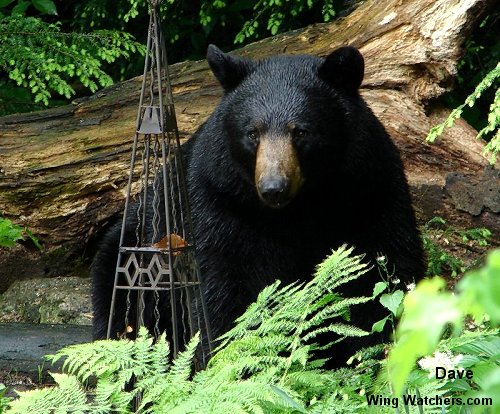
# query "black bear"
(290, 165)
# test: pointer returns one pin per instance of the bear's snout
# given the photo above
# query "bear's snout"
(274, 191)
(278, 175)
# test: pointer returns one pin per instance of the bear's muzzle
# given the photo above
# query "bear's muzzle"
(278, 176)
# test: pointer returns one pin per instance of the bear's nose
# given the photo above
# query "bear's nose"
(274, 191)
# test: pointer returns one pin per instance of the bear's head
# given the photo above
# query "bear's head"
(286, 115)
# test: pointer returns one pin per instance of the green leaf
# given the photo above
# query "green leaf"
(392, 301)
(10, 233)
(20, 7)
(427, 312)
(287, 399)
(4, 3)
(379, 288)
(45, 6)
(379, 326)
(32, 237)
(480, 289)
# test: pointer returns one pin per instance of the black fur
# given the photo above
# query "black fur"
(354, 188)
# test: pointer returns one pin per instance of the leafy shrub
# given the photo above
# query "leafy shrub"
(440, 261)
(3, 399)
(430, 311)
(255, 19)
(266, 363)
(481, 55)
(493, 146)
(38, 57)
(10, 233)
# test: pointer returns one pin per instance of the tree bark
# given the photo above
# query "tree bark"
(63, 172)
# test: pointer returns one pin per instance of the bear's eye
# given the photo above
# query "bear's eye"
(253, 135)
(300, 133)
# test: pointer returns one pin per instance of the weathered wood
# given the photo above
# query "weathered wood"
(63, 171)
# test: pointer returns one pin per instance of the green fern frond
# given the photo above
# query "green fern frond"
(98, 358)
(181, 368)
(493, 147)
(334, 310)
(67, 396)
(173, 381)
(337, 328)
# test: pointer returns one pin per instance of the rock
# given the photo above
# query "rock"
(62, 300)
(473, 194)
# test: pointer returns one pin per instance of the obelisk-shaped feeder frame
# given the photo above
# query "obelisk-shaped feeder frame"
(157, 275)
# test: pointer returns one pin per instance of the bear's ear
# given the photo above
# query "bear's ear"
(344, 69)
(229, 70)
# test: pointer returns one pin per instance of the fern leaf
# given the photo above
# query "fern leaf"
(67, 396)
(340, 329)
(334, 310)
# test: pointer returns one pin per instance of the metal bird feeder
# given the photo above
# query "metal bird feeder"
(156, 272)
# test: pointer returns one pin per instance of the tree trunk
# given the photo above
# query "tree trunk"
(63, 172)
